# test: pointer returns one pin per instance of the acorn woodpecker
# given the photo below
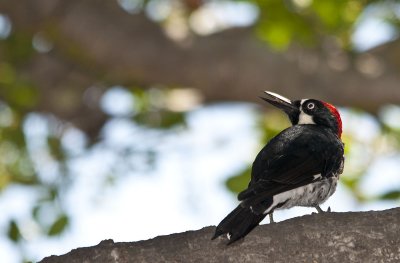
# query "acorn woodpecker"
(298, 167)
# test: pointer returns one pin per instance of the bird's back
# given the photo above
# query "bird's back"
(293, 159)
(298, 143)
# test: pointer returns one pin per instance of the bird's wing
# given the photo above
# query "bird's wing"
(285, 173)
(287, 162)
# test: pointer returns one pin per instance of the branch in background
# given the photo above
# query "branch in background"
(96, 43)
(329, 237)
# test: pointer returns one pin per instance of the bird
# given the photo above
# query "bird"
(298, 167)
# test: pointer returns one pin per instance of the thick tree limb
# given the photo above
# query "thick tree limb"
(330, 237)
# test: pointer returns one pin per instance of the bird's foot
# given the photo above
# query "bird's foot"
(271, 218)
(322, 211)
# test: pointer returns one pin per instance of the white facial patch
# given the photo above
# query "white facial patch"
(304, 118)
(278, 96)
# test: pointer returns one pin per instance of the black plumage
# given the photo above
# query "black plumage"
(298, 167)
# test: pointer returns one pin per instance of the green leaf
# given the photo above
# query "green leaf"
(18, 47)
(170, 119)
(278, 36)
(55, 147)
(23, 94)
(14, 135)
(160, 119)
(59, 225)
(35, 212)
(13, 231)
(7, 74)
(392, 195)
(239, 182)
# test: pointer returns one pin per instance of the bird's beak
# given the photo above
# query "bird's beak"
(280, 102)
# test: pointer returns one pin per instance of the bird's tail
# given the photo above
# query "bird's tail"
(238, 223)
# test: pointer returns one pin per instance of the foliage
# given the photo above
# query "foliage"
(282, 22)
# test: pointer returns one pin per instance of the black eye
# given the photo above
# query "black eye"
(310, 106)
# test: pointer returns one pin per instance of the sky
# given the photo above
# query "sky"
(185, 190)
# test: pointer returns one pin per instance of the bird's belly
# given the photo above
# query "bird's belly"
(309, 195)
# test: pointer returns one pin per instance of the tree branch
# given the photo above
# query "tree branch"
(330, 237)
(98, 43)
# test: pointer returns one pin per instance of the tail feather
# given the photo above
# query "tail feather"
(238, 223)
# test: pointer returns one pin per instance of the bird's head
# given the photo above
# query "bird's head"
(307, 111)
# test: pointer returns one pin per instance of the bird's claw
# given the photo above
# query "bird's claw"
(322, 211)
(271, 219)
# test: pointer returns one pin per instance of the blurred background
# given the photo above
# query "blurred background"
(135, 118)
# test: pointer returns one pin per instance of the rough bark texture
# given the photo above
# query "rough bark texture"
(329, 237)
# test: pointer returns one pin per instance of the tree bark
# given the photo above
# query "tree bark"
(329, 237)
